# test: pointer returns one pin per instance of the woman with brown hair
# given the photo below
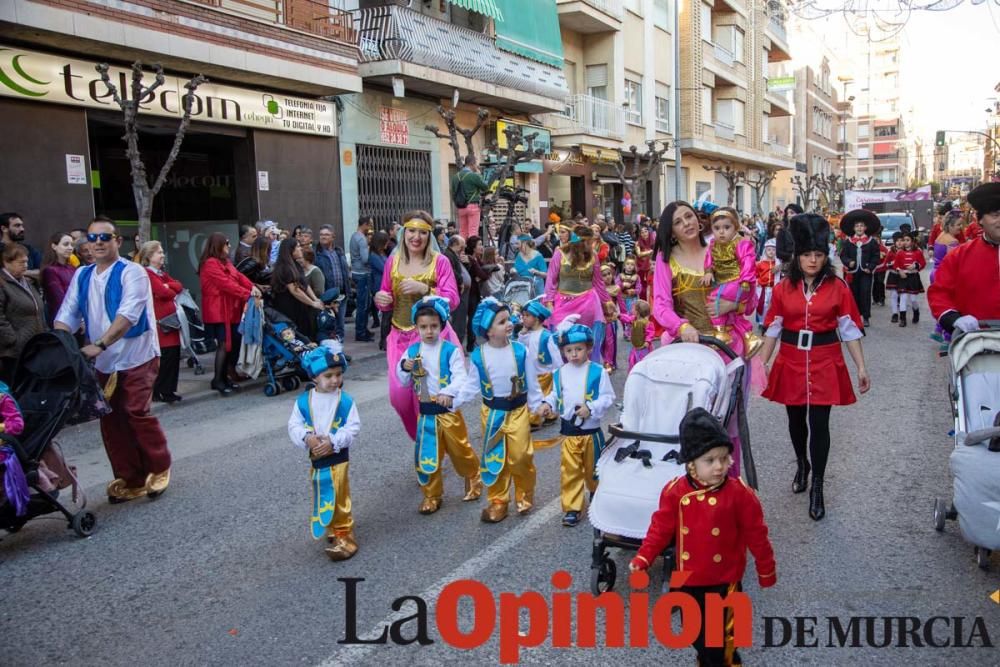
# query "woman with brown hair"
(57, 273)
(255, 265)
(416, 268)
(165, 291)
(574, 285)
(20, 308)
(224, 291)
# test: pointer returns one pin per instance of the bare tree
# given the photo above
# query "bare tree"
(634, 169)
(829, 188)
(142, 191)
(454, 130)
(732, 176)
(759, 183)
(806, 187)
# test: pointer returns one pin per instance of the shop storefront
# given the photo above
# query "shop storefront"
(247, 155)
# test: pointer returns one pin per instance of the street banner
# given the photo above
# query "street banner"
(858, 198)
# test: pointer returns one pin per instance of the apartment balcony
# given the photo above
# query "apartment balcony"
(780, 102)
(301, 46)
(725, 131)
(844, 147)
(722, 63)
(779, 149)
(434, 57)
(588, 17)
(774, 29)
(721, 141)
(588, 120)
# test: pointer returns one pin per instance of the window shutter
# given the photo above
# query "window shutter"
(597, 76)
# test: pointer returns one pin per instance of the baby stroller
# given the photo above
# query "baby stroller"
(193, 339)
(517, 292)
(974, 390)
(641, 456)
(54, 386)
(281, 362)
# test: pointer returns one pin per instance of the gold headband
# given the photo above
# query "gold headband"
(728, 214)
(417, 223)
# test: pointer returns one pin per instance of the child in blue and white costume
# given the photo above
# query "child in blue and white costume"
(325, 422)
(542, 345)
(581, 395)
(436, 368)
(506, 377)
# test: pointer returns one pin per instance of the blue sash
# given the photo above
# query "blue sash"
(494, 444)
(112, 298)
(426, 457)
(324, 493)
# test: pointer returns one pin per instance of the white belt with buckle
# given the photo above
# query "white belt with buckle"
(805, 340)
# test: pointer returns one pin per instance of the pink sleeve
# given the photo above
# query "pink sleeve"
(599, 286)
(734, 291)
(650, 333)
(663, 297)
(446, 285)
(13, 422)
(552, 276)
(386, 285)
(709, 265)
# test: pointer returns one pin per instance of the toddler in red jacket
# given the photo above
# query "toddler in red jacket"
(712, 519)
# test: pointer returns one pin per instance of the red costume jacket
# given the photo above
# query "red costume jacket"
(883, 257)
(165, 290)
(712, 530)
(968, 281)
(904, 259)
(765, 272)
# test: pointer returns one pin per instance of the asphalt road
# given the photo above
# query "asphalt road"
(221, 570)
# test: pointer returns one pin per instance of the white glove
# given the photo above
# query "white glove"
(967, 323)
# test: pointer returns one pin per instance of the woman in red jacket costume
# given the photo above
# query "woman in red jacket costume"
(812, 312)
(224, 292)
(165, 290)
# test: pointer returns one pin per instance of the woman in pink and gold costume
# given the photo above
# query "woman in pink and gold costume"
(415, 269)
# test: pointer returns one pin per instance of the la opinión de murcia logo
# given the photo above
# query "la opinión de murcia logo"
(556, 618)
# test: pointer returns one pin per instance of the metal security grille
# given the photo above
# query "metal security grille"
(392, 181)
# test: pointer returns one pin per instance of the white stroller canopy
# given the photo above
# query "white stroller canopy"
(971, 345)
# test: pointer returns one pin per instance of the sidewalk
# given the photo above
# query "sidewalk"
(195, 388)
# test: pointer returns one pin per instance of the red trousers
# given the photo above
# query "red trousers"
(468, 221)
(133, 439)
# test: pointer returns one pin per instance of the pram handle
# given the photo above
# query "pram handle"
(619, 432)
(711, 341)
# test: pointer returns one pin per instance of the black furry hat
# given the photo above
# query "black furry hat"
(945, 207)
(810, 232)
(985, 198)
(700, 432)
(872, 223)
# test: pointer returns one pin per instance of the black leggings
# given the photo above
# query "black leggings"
(816, 432)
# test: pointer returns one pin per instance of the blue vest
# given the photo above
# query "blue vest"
(444, 363)
(593, 384)
(520, 358)
(544, 356)
(112, 298)
(339, 416)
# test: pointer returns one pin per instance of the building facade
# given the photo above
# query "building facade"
(262, 142)
(735, 85)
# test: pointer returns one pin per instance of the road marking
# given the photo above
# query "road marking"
(995, 596)
(351, 655)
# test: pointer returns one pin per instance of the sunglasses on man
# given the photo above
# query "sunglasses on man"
(103, 237)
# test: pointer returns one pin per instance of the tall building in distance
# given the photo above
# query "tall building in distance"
(877, 128)
(729, 51)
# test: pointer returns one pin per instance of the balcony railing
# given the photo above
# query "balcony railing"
(592, 116)
(778, 28)
(615, 8)
(780, 149)
(725, 130)
(311, 16)
(724, 55)
(396, 33)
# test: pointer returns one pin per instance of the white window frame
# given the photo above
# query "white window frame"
(663, 114)
(739, 116)
(662, 14)
(707, 106)
(863, 132)
(633, 100)
(706, 21)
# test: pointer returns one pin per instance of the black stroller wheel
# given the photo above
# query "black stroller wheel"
(190, 362)
(289, 383)
(940, 514)
(271, 389)
(602, 577)
(983, 558)
(83, 523)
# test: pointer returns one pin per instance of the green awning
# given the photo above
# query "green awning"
(484, 7)
(532, 30)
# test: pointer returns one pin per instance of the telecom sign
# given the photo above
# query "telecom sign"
(30, 75)
(777, 84)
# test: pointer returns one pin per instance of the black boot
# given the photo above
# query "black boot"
(816, 509)
(902, 319)
(916, 315)
(895, 318)
(801, 481)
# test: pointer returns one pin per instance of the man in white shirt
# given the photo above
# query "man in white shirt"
(113, 300)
